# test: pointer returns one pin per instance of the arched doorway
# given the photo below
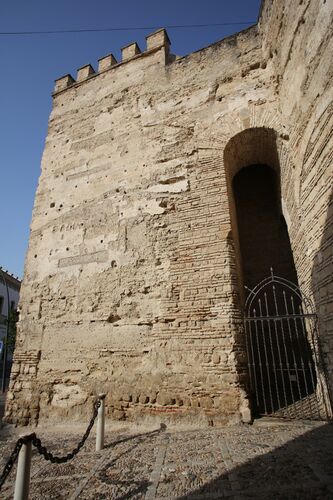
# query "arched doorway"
(280, 329)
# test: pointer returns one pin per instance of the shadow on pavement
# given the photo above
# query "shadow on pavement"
(139, 437)
(131, 487)
(300, 469)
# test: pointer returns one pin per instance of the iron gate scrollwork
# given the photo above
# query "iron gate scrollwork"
(285, 371)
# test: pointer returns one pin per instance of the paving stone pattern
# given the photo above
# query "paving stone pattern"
(268, 460)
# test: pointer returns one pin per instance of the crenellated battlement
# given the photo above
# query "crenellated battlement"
(155, 41)
(130, 51)
(106, 62)
(84, 72)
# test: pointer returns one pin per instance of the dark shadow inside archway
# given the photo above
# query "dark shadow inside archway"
(262, 231)
(247, 155)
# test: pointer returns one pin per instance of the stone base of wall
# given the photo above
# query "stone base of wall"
(72, 403)
(22, 401)
(164, 407)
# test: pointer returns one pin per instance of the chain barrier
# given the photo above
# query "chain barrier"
(13, 457)
(61, 460)
(42, 450)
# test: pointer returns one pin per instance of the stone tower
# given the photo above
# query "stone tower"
(135, 273)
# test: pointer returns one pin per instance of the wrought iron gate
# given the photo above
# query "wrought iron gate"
(285, 371)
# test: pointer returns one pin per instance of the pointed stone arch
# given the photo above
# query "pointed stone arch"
(255, 116)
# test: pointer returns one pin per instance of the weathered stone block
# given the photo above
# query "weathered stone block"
(84, 72)
(206, 402)
(130, 51)
(118, 414)
(215, 358)
(106, 62)
(164, 399)
(195, 403)
(63, 82)
(143, 399)
(158, 39)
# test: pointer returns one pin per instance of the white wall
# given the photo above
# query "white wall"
(13, 296)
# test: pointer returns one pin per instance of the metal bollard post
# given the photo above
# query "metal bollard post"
(100, 423)
(22, 481)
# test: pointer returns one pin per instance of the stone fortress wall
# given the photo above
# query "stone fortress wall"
(133, 282)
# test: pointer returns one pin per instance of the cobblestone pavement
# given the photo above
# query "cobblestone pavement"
(268, 460)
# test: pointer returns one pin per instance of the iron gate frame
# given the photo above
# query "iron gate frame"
(309, 320)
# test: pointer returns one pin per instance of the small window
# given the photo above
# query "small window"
(1, 304)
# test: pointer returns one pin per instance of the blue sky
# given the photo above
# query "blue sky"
(30, 64)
